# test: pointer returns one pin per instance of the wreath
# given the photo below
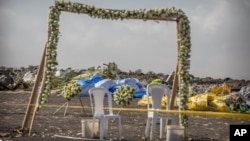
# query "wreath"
(124, 95)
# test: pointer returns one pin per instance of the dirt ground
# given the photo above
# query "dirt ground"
(49, 126)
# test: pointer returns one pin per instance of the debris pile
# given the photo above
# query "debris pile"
(23, 78)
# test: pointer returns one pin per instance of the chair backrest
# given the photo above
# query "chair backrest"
(157, 91)
(99, 94)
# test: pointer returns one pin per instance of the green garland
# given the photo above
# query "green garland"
(184, 39)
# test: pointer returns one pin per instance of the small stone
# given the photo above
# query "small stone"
(4, 134)
(34, 134)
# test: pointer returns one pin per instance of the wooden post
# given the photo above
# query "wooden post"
(39, 93)
(34, 98)
(176, 75)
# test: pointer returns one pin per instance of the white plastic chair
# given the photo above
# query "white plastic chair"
(157, 91)
(99, 94)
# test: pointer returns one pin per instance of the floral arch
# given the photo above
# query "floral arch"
(49, 63)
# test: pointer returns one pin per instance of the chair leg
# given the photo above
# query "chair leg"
(162, 126)
(93, 127)
(106, 127)
(153, 126)
(147, 127)
(102, 125)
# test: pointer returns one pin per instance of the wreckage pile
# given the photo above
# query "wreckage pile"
(23, 78)
(237, 99)
(17, 78)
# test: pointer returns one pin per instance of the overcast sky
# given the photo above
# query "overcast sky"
(220, 36)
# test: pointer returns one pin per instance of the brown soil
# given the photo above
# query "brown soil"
(47, 124)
